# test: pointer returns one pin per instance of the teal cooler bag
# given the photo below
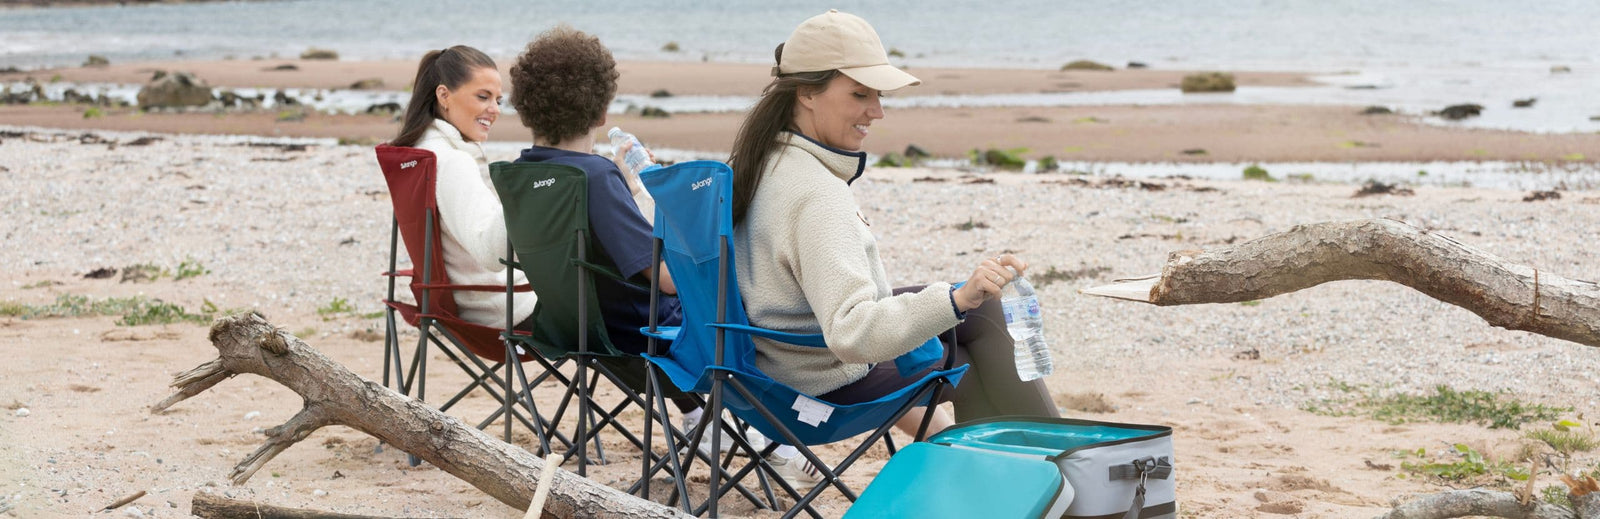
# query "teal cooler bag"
(1112, 470)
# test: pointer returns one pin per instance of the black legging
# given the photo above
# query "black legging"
(991, 387)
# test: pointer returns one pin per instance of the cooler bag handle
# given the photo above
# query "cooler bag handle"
(1141, 469)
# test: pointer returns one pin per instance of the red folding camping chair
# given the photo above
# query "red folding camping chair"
(412, 176)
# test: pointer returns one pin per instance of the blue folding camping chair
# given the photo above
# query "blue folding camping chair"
(714, 353)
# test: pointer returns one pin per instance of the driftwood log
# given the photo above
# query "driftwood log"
(207, 505)
(1507, 295)
(1488, 503)
(335, 396)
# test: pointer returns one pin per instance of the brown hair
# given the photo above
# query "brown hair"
(562, 84)
(449, 67)
(758, 134)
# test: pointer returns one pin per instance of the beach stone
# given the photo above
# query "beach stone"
(916, 152)
(23, 411)
(96, 60)
(282, 68)
(175, 90)
(1560, 69)
(319, 54)
(384, 108)
(22, 97)
(1208, 82)
(661, 93)
(1137, 64)
(652, 112)
(370, 83)
(1459, 112)
(71, 96)
(1377, 110)
(281, 99)
(1524, 103)
(1084, 64)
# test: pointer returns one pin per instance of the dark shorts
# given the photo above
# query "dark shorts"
(884, 378)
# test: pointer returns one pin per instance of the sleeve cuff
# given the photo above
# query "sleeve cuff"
(960, 315)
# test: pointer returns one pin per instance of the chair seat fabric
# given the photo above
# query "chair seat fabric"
(693, 220)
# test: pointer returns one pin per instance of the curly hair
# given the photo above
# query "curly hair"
(562, 84)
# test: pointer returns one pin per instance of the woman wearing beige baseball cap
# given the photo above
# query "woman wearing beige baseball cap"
(807, 260)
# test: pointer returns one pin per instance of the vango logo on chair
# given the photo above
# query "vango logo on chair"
(699, 184)
(408, 164)
(543, 183)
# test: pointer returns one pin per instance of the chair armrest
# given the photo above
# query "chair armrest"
(665, 333)
(472, 288)
(812, 340)
(407, 273)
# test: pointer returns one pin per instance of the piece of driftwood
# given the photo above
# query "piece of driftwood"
(335, 396)
(1478, 502)
(125, 500)
(207, 505)
(1507, 295)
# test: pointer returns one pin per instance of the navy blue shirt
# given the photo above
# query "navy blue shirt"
(623, 239)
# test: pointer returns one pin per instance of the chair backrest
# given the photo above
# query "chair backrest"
(694, 223)
(412, 176)
(547, 219)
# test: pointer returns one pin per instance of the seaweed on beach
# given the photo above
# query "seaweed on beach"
(1373, 187)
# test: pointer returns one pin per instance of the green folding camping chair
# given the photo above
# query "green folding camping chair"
(547, 226)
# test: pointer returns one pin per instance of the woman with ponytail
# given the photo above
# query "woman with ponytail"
(455, 99)
(808, 262)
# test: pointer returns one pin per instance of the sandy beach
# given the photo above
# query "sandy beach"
(289, 232)
(1186, 133)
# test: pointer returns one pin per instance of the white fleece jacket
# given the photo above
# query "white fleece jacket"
(474, 227)
(808, 263)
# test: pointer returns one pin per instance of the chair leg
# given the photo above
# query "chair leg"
(526, 396)
(599, 450)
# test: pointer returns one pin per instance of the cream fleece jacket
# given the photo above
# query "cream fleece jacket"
(808, 263)
(474, 227)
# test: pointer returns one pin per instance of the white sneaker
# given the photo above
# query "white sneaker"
(798, 471)
(757, 440)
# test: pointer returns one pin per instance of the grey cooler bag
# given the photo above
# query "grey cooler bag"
(1112, 470)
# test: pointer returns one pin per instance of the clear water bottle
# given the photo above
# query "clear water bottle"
(1026, 325)
(637, 157)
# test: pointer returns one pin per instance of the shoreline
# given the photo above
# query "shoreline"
(644, 77)
(1191, 134)
(1180, 133)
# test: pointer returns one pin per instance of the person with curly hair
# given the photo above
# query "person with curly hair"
(561, 86)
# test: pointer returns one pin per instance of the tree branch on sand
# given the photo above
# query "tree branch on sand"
(1507, 295)
(335, 396)
(1487, 503)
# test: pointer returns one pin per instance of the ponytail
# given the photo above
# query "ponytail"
(758, 134)
(449, 67)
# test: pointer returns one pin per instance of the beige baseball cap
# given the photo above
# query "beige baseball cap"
(842, 41)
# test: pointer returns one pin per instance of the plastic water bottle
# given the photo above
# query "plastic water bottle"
(637, 157)
(1027, 329)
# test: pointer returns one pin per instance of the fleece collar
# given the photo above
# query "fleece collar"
(452, 136)
(847, 165)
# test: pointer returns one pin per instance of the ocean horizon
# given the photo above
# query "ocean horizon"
(1296, 35)
(1411, 56)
